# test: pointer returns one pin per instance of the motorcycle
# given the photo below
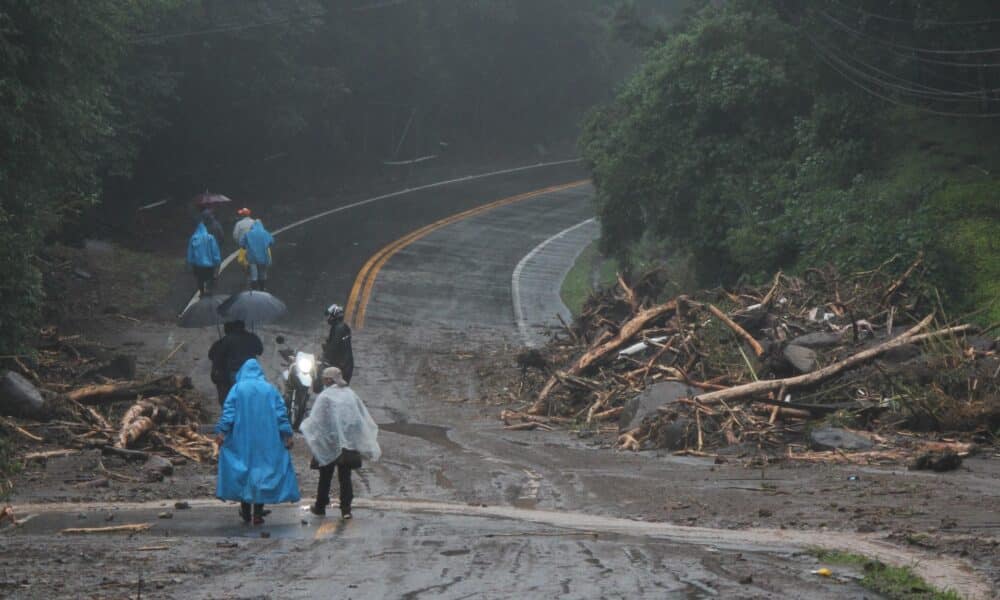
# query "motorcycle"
(298, 379)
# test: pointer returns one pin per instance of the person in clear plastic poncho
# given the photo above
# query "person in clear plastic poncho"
(339, 432)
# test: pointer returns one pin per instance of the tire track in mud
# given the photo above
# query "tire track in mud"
(943, 573)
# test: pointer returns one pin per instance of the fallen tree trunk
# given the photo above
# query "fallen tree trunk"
(115, 391)
(771, 385)
(136, 528)
(632, 327)
(133, 430)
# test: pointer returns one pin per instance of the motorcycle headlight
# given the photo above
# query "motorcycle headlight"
(305, 363)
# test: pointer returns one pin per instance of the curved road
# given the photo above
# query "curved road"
(459, 507)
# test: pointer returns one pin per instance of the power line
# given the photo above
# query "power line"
(905, 85)
(839, 24)
(881, 83)
(915, 21)
(832, 63)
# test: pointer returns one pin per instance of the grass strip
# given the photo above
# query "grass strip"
(895, 583)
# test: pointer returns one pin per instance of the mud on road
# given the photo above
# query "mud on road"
(459, 507)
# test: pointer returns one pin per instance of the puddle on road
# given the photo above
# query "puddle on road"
(430, 433)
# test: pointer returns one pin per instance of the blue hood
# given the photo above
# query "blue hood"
(257, 242)
(250, 370)
(254, 465)
(203, 250)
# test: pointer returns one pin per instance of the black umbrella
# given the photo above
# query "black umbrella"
(203, 313)
(252, 306)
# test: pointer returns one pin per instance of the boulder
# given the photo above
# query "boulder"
(820, 339)
(802, 358)
(157, 467)
(20, 398)
(122, 366)
(652, 398)
(833, 438)
(900, 354)
(676, 435)
(936, 461)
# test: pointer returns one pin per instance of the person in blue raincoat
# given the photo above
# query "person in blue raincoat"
(254, 436)
(257, 242)
(204, 257)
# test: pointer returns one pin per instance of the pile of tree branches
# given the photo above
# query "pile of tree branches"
(755, 368)
(87, 398)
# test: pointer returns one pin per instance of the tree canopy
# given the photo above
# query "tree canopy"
(781, 135)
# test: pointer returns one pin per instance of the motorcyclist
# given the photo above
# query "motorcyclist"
(337, 350)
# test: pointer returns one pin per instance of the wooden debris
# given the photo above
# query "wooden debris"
(20, 430)
(769, 385)
(754, 403)
(49, 454)
(133, 528)
(628, 330)
(115, 391)
(757, 348)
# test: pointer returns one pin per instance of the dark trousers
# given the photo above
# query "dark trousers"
(222, 389)
(346, 488)
(205, 276)
(258, 510)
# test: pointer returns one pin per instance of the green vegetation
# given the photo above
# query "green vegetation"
(109, 105)
(895, 583)
(745, 141)
(591, 270)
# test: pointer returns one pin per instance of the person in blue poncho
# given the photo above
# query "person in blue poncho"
(257, 242)
(204, 257)
(254, 436)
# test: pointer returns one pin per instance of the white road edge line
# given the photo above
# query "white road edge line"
(515, 280)
(229, 259)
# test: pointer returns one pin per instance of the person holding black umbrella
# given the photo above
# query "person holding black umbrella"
(230, 353)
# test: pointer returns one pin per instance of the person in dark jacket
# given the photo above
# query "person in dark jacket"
(220, 374)
(337, 350)
(229, 353)
(213, 226)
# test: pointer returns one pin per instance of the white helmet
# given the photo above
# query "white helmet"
(333, 312)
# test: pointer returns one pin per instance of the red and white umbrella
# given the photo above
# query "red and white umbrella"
(208, 199)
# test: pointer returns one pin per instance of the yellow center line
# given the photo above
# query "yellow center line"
(357, 303)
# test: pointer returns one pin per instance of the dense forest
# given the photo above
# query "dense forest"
(745, 136)
(764, 135)
(112, 104)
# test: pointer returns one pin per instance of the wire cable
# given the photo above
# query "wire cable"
(907, 85)
(887, 98)
(841, 25)
(915, 21)
(903, 89)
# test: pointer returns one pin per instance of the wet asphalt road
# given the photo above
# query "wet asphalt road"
(439, 298)
(316, 264)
